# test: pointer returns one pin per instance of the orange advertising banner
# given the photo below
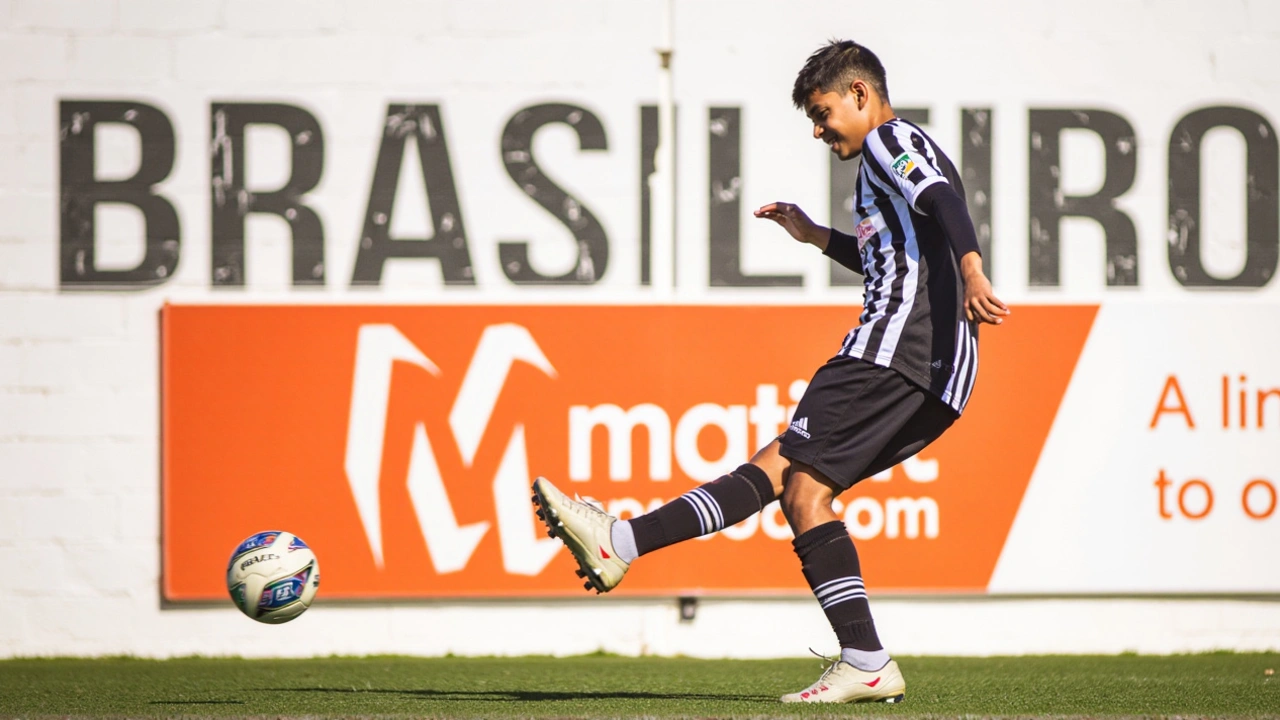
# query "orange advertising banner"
(400, 442)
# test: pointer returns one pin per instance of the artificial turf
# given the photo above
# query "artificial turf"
(1216, 685)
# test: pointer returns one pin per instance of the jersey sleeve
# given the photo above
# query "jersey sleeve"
(901, 159)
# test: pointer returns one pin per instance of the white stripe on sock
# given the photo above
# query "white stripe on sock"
(697, 509)
(706, 508)
(847, 578)
(838, 585)
(843, 597)
(713, 506)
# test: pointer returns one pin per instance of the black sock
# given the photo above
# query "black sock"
(830, 564)
(726, 501)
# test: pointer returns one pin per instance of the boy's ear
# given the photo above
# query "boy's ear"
(858, 89)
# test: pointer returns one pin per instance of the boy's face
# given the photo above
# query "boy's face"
(841, 120)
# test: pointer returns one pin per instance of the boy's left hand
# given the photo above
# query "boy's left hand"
(980, 301)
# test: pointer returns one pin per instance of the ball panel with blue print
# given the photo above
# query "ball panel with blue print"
(273, 576)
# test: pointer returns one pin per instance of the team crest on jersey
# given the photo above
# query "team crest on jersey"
(903, 165)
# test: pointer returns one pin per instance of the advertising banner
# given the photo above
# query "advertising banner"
(1160, 473)
(400, 442)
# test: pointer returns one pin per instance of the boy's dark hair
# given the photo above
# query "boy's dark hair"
(834, 67)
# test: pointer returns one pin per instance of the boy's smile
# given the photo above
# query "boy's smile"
(842, 120)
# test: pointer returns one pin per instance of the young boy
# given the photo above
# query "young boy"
(901, 377)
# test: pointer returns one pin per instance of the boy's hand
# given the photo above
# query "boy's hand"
(980, 302)
(796, 223)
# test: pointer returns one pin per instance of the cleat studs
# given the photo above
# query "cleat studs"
(586, 586)
(540, 515)
(550, 534)
(580, 573)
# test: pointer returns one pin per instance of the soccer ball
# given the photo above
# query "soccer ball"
(273, 576)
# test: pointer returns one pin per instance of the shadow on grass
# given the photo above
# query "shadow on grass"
(197, 702)
(530, 695)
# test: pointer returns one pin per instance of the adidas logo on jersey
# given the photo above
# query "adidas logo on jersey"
(801, 428)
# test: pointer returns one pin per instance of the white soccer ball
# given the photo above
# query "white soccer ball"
(273, 576)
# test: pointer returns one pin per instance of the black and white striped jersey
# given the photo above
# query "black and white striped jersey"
(913, 318)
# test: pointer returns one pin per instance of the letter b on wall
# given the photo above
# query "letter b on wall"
(81, 192)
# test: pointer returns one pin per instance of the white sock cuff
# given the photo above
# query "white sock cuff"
(866, 660)
(624, 541)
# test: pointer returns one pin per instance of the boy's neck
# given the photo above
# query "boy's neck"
(883, 115)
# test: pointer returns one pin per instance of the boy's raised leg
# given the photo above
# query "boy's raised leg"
(605, 546)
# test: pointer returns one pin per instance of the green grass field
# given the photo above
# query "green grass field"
(602, 686)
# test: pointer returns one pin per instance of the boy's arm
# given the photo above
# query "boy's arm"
(833, 243)
(844, 250)
(941, 201)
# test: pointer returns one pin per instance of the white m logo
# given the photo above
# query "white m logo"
(449, 545)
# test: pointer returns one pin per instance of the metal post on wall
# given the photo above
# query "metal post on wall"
(663, 180)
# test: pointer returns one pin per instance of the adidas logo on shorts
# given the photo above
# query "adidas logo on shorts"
(801, 428)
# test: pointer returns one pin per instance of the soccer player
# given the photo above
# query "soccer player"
(899, 380)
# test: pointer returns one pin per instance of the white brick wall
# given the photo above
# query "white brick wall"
(8, 111)
(116, 365)
(35, 112)
(289, 18)
(79, 396)
(27, 212)
(33, 57)
(71, 316)
(160, 17)
(9, 150)
(25, 265)
(143, 60)
(39, 415)
(30, 167)
(489, 18)
(207, 59)
(10, 515)
(417, 18)
(80, 16)
(11, 364)
(97, 571)
(50, 519)
(72, 466)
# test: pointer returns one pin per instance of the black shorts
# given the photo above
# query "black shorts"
(857, 419)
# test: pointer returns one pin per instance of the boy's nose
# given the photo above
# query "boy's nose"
(817, 132)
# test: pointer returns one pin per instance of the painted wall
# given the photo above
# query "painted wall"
(1125, 151)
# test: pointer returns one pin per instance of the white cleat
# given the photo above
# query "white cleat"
(842, 682)
(586, 530)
